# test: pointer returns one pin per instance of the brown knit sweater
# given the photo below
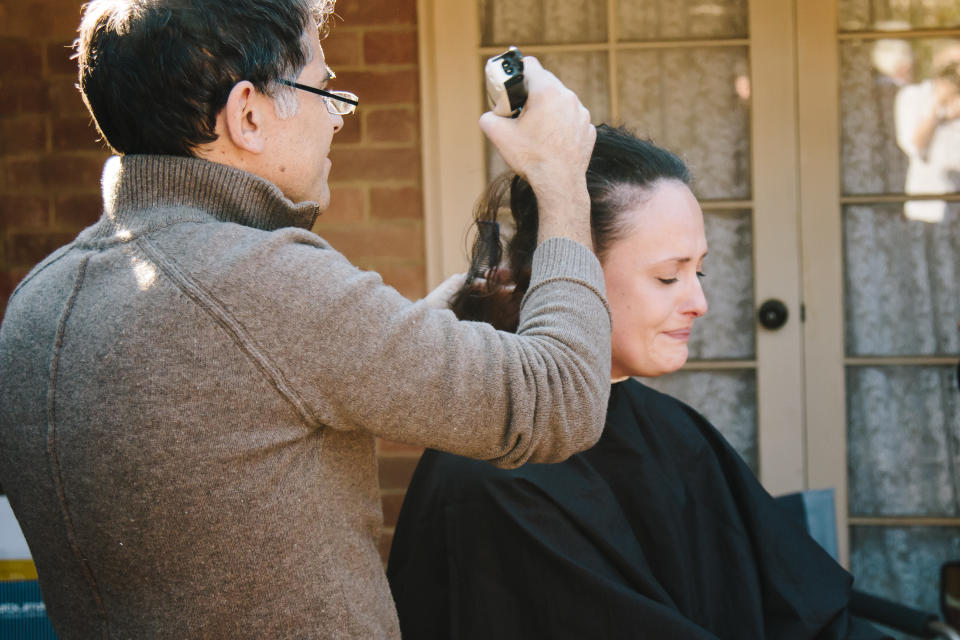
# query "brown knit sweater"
(189, 394)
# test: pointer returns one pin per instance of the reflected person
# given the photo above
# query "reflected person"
(928, 131)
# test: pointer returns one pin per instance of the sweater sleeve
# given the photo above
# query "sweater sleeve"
(353, 354)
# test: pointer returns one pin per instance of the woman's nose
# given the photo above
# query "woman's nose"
(696, 303)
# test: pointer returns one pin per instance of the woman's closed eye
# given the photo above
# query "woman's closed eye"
(675, 279)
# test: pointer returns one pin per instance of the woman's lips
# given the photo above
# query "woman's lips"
(679, 334)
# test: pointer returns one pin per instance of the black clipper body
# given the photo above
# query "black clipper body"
(506, 86)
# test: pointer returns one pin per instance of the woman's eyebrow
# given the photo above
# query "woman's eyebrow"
(681, 260)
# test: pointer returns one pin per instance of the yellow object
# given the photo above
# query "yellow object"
(17, 570)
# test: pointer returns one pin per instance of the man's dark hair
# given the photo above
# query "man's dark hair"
(155, 73)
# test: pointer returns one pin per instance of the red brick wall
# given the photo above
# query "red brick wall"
(376, 215)
(50, 160)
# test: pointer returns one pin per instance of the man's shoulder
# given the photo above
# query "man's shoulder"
(212, 245)
(42, 278)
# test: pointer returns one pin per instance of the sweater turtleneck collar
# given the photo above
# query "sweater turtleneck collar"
(135, 183)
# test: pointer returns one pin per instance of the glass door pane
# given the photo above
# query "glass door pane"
(902, 279)
(639, 20)
(694, 101)
(526, 22)
(904, 447)
(862, 15)
(898, 561)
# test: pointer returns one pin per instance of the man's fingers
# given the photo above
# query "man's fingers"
(531, 62)
(440, 297)
(489, 123)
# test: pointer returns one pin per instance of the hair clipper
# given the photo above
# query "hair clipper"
(506, 86)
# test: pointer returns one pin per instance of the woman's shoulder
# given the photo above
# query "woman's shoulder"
(638, 412)
(451, 464)
(453, 479)
(456, 478)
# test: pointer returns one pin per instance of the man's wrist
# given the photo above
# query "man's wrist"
(565, 213)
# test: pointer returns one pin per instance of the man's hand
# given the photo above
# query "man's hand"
(442, 296)
(550, 146)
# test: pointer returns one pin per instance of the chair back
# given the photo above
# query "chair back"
(815, 511)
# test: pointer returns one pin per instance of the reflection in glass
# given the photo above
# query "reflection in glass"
(673, 19)
(928, 131)
(728, 399)
(902, 279)
(900, 111)
(902, 563)
(903, 441)
(695, 103)
(727, 331)
(862, 15)
(586, 74)
(508, 22)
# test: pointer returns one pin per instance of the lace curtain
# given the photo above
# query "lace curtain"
(902, 563)
(686, 100)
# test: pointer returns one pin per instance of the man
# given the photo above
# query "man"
(190, 391)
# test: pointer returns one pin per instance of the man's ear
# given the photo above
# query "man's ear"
(244, 116)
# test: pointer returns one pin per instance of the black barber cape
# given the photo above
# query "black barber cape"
(658, 531)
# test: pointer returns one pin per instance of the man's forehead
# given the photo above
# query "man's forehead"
(317, 48)
(316, 63)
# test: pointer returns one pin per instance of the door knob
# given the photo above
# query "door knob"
(773, 314)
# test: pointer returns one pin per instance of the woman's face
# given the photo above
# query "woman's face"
(653, 282)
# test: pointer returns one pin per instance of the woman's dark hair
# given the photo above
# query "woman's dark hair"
(155, 73)
(621, 173)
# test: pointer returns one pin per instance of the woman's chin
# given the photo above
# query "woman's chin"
(649, 371)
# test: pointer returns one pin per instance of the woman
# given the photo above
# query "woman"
(658, 531)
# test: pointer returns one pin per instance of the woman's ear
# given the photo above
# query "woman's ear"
(244, 117)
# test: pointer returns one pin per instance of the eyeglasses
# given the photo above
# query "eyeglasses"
(338, 103)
